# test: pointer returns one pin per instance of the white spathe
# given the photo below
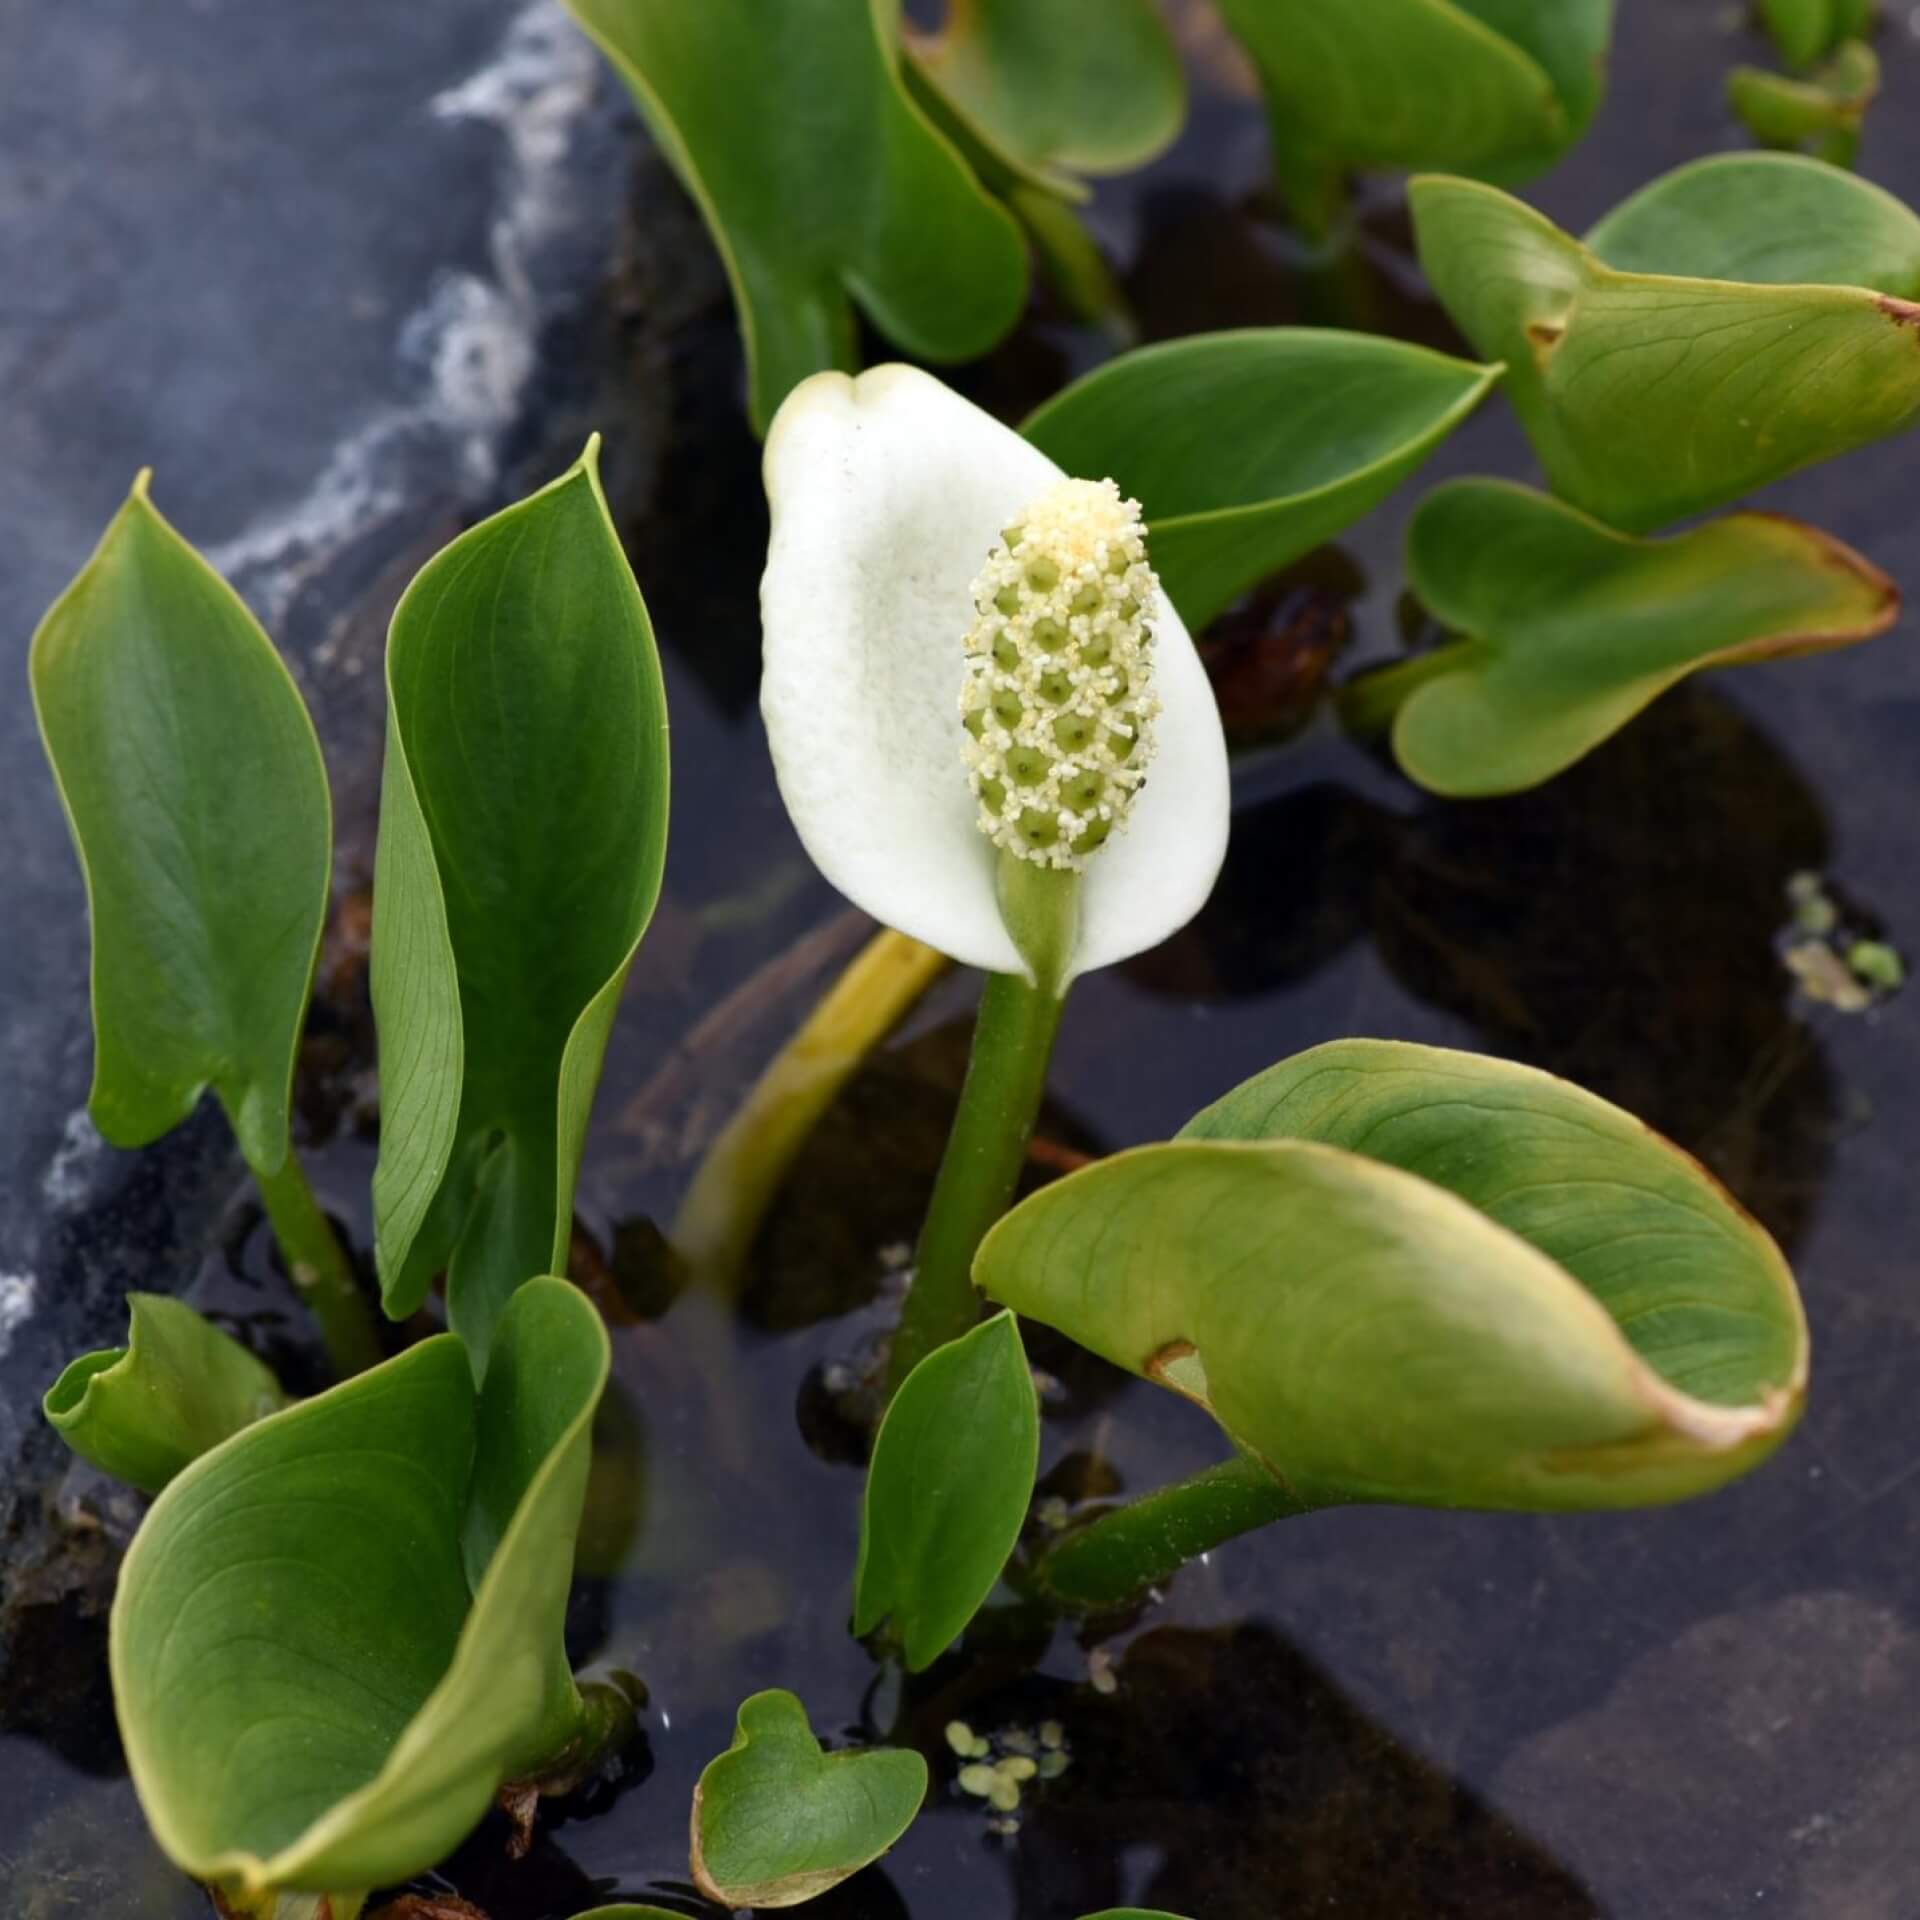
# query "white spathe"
(888, 491)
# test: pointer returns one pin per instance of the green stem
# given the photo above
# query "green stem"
(1369, 702)
(1311, 183)
(1012, 1045)
(1075, 264)
(1112, 1557)
(321, 1273)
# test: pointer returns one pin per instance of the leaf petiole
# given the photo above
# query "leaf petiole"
(318, 1264)
(1124, 1549)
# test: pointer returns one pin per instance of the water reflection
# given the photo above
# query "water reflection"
(1615, 926)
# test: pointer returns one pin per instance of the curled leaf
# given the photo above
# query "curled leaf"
(1496, 88)
(1248, 449)
(948, 1489)
(523, 825)
(1737, 320)
(178, 1387)
(193, 783)
(821, 181)
(776, 1821)
(1824, 110)
(1571, 629)
(1398, 1273)
(337, 1633)
(1805, 29)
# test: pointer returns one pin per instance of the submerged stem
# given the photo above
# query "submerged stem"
(1108, 1560)
(1006, 1076)
(322, 1275)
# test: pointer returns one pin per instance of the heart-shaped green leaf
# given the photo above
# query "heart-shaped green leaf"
(1496, 88)
(1056, 88)
(1823, 112)
(1741, 318)
(1248, 449)
(948, 1490)
(194, 786)
(1398, 1273)
(523, 826)
(1572, 628)
(340, 1631)
(178, 1387)
(776, 1821)
(1805, 29)
(821, 181)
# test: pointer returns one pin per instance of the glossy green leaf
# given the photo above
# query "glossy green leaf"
(776, 1821)
(1805, 29)
(178, 1387)
(1248, 449)
(1495, 88)
(194, 787)
(1399, 1273)
(1823, 112)
(1056, 88)
(948, 1489)
(1648, 395)
(322, 1676)
(523, 825)
(822, 182)
(1571, 629)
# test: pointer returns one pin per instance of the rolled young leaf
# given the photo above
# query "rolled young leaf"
(1740, 318)
(1248, 449)
(178, 1387)
(1400, 1273)
(1571, 629)
(1496, 88)
(193, 783)
(820, 179)
(776, 1821)
(948, 1490)
(523, 824)
(322, 1674)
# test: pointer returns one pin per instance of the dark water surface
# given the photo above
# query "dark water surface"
(1708, 1711)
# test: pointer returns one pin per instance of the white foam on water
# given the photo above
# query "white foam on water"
(474, 337)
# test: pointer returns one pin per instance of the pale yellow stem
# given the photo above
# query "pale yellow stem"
(742, 1170)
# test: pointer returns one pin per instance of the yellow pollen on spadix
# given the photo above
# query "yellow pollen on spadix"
(1057, 699)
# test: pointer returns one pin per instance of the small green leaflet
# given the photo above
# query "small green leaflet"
(948, 1489)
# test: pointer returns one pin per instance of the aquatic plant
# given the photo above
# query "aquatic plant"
(1389, 1273)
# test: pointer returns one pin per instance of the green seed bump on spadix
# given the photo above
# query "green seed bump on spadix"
(1057, 702)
